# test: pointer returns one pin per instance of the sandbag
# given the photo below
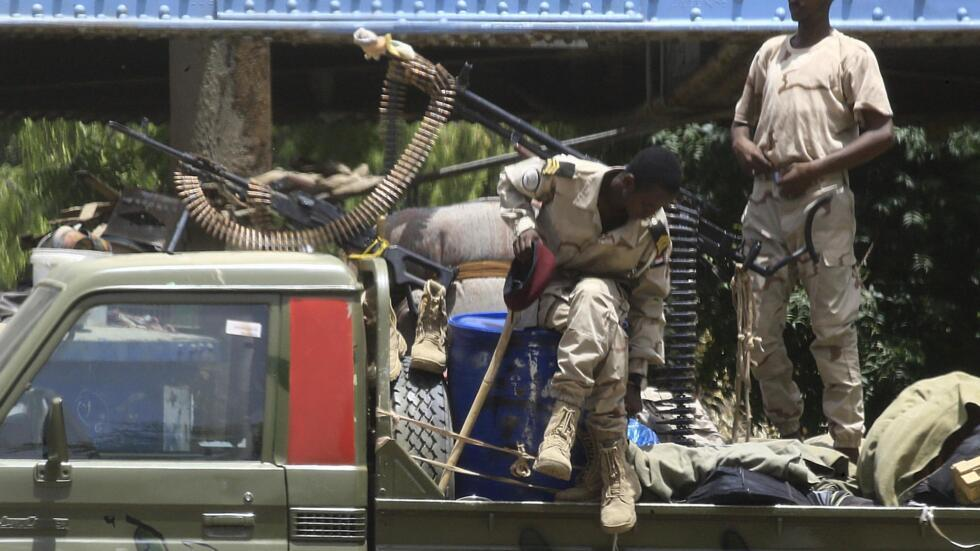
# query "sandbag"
(453, 234)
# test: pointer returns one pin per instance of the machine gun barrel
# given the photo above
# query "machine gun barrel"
(494, 112)
(497, 160)
(198, 163)
(300, 209)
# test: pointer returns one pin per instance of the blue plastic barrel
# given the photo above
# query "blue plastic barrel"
(515, 411)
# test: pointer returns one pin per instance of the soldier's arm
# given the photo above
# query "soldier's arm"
(646, 318)
(878, 137)
(750, 158)
(519, 184)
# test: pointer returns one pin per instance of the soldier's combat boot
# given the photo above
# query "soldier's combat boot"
(555, 452)
(429, 350)
(588, 486)
(620, 488)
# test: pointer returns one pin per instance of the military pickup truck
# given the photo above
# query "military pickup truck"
(234, 400)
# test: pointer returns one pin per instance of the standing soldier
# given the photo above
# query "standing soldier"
(608, 231)
(806, 96)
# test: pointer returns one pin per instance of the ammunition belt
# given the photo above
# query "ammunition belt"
(419, 72)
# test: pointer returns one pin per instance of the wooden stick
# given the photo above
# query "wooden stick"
(481, 397)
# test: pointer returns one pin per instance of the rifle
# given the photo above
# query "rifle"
(302, 211)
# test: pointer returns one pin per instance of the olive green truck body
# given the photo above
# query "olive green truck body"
(229, 401)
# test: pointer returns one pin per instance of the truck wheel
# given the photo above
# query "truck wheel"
(422, 396)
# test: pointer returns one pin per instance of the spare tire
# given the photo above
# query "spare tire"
(422, 396)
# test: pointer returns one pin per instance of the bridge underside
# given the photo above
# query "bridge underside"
(672, 79)
(480, 22)
(663, 62)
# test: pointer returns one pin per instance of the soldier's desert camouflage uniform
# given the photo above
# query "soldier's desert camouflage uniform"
(608, 295)
(805, 104)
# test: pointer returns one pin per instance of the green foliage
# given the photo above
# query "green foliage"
(37, 176)
(917, 210)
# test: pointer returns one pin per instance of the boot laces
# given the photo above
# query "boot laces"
(563, 429)
(610, 464)
(431, 311)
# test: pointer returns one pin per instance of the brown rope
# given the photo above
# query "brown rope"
(461, 470)
(745, 310)
(398, 418)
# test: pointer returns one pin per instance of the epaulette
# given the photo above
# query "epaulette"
(554, 167)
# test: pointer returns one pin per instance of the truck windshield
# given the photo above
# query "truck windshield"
(15, 329)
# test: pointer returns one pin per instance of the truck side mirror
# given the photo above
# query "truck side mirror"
(56, 468)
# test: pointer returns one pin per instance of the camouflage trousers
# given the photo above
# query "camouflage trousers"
(834, 291)
(592, 353)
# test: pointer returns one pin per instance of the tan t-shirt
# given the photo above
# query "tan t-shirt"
(806, 103)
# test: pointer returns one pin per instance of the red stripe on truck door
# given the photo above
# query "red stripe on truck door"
(321, 382)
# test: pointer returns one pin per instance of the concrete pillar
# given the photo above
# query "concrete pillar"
(221, 101)
(680, 59)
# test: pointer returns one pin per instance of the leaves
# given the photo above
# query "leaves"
(37, 173)
(919, 204)
(914, 220)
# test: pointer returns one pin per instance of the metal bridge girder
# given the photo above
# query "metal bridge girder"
(563, 18)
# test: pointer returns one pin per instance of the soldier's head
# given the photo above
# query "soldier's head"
(650, 182)
(809, 10)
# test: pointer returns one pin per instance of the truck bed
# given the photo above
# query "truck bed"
(525, 526)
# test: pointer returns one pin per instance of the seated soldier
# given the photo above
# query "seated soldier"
(608, 231)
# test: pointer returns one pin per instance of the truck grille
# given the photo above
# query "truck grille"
(328, 524)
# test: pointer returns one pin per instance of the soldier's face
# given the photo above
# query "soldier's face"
(802, 10)
(645, 203)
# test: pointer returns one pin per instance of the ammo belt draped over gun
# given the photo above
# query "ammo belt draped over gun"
(312, 216)
(319, 222)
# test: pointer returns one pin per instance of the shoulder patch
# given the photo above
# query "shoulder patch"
(554, 167)
(663, 243)
(531, 180)
(658, 232)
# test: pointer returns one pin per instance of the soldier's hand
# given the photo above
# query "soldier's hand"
(752, 160)
(522, 245)
(796, 180)
(634, 404)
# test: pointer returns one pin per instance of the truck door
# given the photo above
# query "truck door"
(170, 447)
(326, 453)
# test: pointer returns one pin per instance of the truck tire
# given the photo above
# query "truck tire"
(422, 396)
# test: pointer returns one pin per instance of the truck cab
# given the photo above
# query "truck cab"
(241, 400)
(209, 400)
